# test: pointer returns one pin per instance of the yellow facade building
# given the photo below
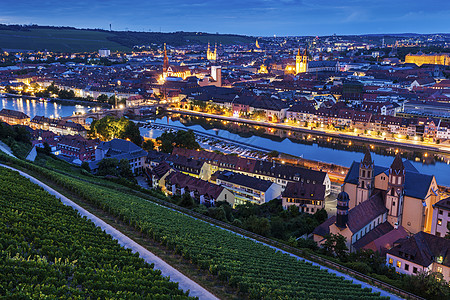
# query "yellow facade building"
(211, 55)
(428, 59)
(301, 62)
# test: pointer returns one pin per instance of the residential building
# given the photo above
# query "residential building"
(58, 126)
(205, 192)
(157, 174)
(77, 146)
(440, 224)
(13, 117)
(265, 170)
(190, 166)
(308, 197)
(421, 253)
(120, 149)
(248, 189)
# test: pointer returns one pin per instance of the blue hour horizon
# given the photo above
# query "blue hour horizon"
(254, 17)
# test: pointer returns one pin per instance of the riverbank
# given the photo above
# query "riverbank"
(385, 141)
(63, 101)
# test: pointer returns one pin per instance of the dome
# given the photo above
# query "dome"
(343, 196)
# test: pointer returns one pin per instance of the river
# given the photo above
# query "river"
(33, 107)
(331, 150)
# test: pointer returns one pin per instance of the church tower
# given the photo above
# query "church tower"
(342, 210)
(165, 62)
(394, 195)
(301, 62)
(210, 55)
(366, 178)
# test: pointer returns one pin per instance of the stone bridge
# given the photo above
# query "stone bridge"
(97, 115)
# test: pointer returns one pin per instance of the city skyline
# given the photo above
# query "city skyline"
(255, 17)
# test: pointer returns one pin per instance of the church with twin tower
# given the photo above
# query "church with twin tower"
(301, 61)
(378, 205)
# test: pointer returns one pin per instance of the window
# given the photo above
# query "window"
(393, 203)
(406, 267)
(414, 270)
(399, 264)
(440, 212)
(391, 261)
(439, 269)
(439, 221)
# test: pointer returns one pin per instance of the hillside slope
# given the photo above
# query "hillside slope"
(68, 39)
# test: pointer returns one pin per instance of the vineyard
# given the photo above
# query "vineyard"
(48, 251)
(254, 269)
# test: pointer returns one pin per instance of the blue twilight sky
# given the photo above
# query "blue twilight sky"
(252, 17)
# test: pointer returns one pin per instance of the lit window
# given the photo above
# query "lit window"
(439, 222)
(399, 264)
(391, 261)
(439, 269)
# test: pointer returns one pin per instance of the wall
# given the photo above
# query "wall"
(274, 191)
(444, 217)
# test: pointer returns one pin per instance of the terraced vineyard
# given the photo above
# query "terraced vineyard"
(256, 270)
(48, 251)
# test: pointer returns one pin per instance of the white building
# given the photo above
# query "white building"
(441, 218)
(421, 253)
(249, 189)
(104, 52)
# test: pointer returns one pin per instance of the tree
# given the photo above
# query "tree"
(125, 169)
(52, 88)
(85, 166)
(108, 166)
(321, 215)
(182, 139)
(47, 148)
(273, 153)
(102, 98)
(335, 244)
(186, 201)
(148, 145)
(109, 127)
(131, 132)
(257, 225)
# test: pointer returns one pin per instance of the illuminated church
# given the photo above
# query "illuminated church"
(301, 62)
(211, 55)
(173, 71)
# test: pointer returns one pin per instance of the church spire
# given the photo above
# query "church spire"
(367, 161)
(397, 166)
(166, 60)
